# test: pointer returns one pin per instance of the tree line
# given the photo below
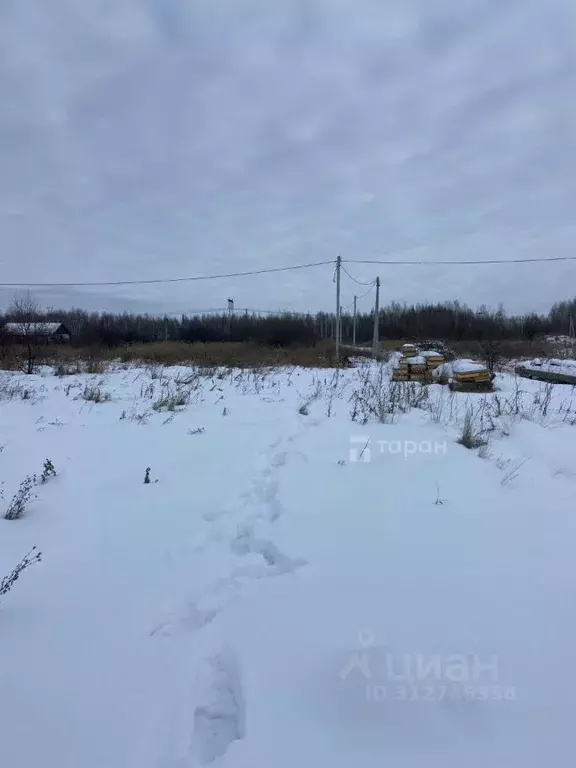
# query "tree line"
(449, 321)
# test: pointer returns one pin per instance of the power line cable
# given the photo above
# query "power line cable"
(248, 273)
(167, 280)
(358, 298)
(360, 282)
(472, 261)
(368, 291)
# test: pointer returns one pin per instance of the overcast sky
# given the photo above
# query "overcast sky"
(144, 139)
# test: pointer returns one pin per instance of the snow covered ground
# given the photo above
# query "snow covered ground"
(292, 587)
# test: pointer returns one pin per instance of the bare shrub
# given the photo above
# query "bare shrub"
(376, 397)
(194, 378)
(156, 372)
(25, 311)
(543, 399)
(95, 394)
(492, 354)
(531, 406)
(69, 387)
(440, 405)
(471, 436)
(311, 397)
(95, 365)
(139, 417)
(29, 559)
(67, 369)
(147, 390)
(14, 390)
(21, 499)
(567, 411)
(439, 501)
(172, 401)
(48, 471)
(334, 390)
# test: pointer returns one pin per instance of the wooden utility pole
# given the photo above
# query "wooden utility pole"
(337, 330)
(375, 340)
(354, 322)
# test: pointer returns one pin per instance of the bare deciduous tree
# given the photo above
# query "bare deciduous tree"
(26, 313)
(492, 354)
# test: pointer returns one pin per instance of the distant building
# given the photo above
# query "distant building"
(39, 331)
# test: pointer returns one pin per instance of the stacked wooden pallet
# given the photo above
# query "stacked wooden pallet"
(433, 358)
(414, 365)
(409, 350)
(410, 369)
(401, 371)
(465, 376)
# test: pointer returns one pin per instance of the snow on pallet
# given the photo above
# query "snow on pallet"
(554, 370)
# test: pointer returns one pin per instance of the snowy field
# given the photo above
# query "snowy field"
(317, 574)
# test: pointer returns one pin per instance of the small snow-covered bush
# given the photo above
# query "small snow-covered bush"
(95, 394)
(441, 407)
(471, 435)
(191, 379)
(14, 390)
(22, 497)
(171, 400)
(303, 409)
(95, 365)
(156, 372)
(47, 471)
(8, 582)
(542, 400)
(147, 391)
(67, 369)
(377, 397)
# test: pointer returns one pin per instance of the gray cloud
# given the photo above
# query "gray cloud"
(150, 138)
